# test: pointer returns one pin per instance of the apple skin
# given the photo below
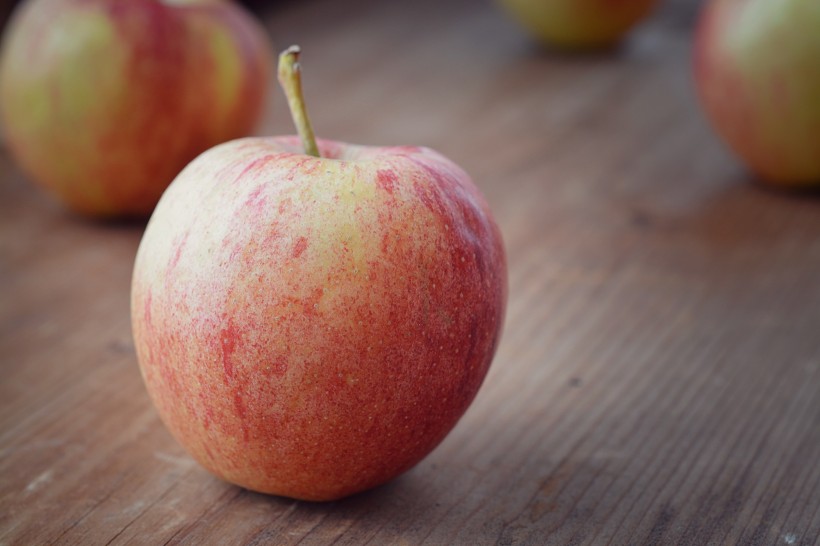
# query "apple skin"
(313, 327)
(757, 69)
(578, 24)
(105, 101)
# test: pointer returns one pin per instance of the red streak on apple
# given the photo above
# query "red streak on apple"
(386, 180)
(300, 247)
(178, 246)
(327, 320)
(228, 338)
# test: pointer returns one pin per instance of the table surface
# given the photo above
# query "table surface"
(658, 380)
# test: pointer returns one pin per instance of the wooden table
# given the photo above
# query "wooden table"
(658, 381)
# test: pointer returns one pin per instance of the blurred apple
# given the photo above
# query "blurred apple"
(105, 101)
(757, 68)
(578, 24)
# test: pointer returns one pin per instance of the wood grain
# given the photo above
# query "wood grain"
(658, 381)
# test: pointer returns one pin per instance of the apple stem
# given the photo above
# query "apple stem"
(290, 78)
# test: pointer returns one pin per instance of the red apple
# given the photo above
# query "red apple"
(578, 24)
(757, 68)
(313, 324)
(105, 101)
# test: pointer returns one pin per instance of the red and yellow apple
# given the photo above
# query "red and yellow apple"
(757, 68)
(313, 324)
(578, 24)
(105, 101)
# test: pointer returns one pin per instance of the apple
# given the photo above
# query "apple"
(311, 318)
(757, 69)
(105, 101)
(578, 24)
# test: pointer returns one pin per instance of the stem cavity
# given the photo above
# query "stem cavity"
(290, 78)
